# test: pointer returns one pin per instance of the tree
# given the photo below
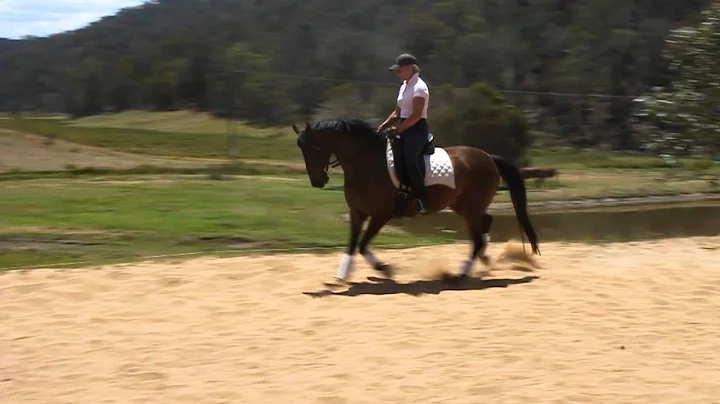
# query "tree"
(185, 54)
(480, 117)
(686, 113)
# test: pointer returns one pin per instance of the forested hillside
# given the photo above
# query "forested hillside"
(173, 54)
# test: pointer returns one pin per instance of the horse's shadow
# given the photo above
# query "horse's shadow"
(382, 286)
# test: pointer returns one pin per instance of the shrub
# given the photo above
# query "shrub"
(480, 117)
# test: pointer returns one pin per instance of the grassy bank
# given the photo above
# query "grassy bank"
(189, 134)
(595, 160)
(250, 143)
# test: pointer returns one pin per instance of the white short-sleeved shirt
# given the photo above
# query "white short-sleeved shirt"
(415, 87)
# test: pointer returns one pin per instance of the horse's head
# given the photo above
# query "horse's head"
(316, 152)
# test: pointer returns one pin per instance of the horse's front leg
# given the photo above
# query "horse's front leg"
(346, 264)
(374, 227)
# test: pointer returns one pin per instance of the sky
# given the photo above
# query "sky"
(20, 18)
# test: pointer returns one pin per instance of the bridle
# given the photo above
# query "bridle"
(332, 163)
(335, 162)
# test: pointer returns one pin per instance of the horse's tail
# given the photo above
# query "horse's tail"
(516, 184)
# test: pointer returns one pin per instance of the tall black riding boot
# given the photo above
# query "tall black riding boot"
(415, 168)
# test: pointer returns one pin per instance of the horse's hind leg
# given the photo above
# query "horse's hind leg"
(485, 236)
(478, 227)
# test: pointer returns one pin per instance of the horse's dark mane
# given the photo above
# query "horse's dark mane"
(350, 126)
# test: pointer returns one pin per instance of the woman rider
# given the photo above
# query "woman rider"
(411, 108)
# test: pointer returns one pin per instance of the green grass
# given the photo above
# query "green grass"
(131, 219)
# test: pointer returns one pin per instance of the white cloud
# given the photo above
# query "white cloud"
(19, 18)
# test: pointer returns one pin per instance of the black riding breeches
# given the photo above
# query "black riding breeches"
(413, 141)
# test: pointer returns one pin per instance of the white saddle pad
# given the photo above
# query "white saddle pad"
(438, 168)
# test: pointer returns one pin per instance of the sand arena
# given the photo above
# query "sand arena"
(617, 323)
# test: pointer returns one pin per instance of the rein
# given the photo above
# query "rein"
(334, 163)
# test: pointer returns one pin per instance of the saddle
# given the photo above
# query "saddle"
(404, 190)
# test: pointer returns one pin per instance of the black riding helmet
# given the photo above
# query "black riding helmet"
(405, 59)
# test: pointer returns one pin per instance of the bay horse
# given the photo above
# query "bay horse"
(371, 194)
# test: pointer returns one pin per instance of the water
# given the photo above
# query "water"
(603, 224)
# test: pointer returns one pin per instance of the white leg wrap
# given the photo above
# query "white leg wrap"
(346, 267)
(371, 259)
(486, 237)
(467, 267)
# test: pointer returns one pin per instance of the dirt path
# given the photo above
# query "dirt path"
(619, 323)
(37, 153)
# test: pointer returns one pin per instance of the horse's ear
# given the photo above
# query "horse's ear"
(307, 127)
(295, 128)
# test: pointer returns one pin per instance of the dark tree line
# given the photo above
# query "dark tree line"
(225, 56)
